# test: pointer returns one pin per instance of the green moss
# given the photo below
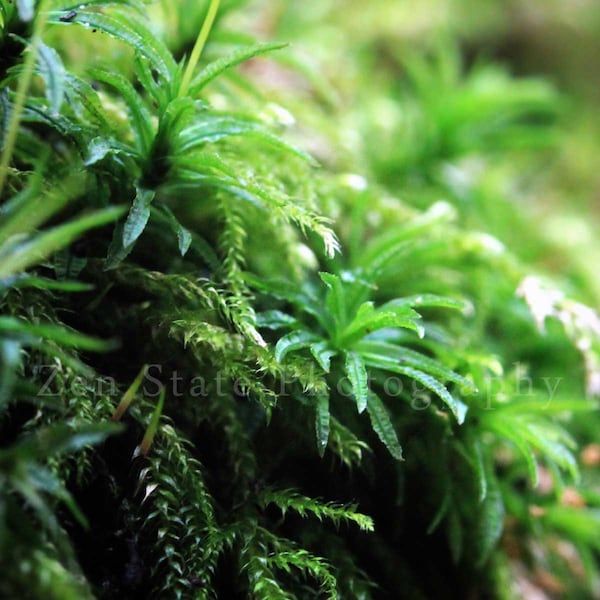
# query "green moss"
(364, 368)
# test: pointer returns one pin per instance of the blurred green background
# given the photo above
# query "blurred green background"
(356, 58)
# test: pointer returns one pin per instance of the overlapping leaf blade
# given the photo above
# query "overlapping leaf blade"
(220, 65)
(296, 340)
(382, 425)
(357, 373)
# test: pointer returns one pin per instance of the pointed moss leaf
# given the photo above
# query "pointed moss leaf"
(458, 408)
(293, 341)
(275, 319)
(25, 212)
(206, 252)
(145, 75)
(364, 313)
(60, 439)
(53, 73)
(212, 128)
(552, 441)
(440, 513)
(471, 450)
(270, 139)
(129, 394)
(152, 428)
(141, 120)
(512, 432)
(196, 242)
(202, 161)
(65, 440)
(387, 356)
(290, 500)
(128, 29)
(356, 291)
(239, 55)
(323, 354)
(98, 148)
(41, 283)
(382, 425)
(489, 524)
(386, 249)
(44, 244)
(138, 216)
(84, 99)
(334, 298)
(117, 252)
(360, 327)
(427, 300)
(31, 332)
(184, 237)
(179, 113)
(357, 374)
(215, 127)
(47, 482)
(322, 422)
(284, 290)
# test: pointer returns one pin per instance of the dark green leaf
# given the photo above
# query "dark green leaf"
(275, 319)
(384, 355)
(55, 333)
(293, 341)
(128, 29)
(382, 425)
(184, 237)
(32, 252)
(474, 451)
(363, 325)
(323, 354)
(59, 439)
(53, 73)
(322, 422)
(141, 120)
(357, 373)
(138, 216)
(335, 299)
(458, 408)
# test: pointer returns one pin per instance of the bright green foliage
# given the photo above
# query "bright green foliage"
(178, 256)
(288, 500)
(365, 337)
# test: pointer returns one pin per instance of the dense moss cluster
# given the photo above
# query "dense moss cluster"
(276, 326)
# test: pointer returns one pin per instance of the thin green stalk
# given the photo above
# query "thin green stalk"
(144, 447)
(22, 88)
(198, 47)
(129, 395)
